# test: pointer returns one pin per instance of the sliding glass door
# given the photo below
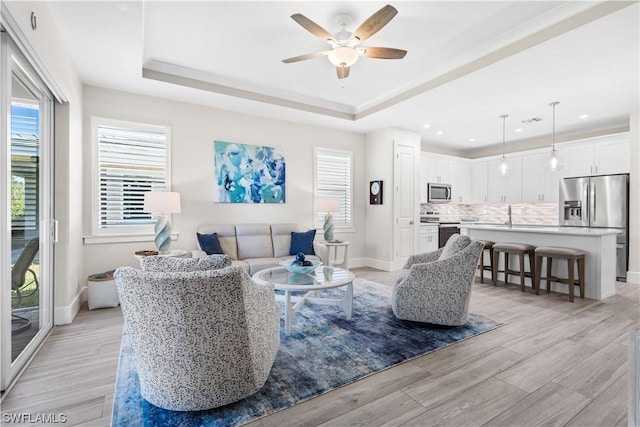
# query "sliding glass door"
(26, 251)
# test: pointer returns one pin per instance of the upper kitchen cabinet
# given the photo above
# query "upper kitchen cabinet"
(598, 156)
(479, 182)
(460, 180)
(436, 169)
(504, 189)
(539, 185)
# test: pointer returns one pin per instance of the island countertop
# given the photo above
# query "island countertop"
(599, 245)
(545, 229)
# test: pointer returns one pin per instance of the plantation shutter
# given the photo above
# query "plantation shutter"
(130, 163)
(333, 180)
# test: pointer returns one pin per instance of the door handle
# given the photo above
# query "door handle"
(410, 222)
(593, 197)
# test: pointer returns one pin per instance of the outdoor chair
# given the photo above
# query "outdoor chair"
(21, 285)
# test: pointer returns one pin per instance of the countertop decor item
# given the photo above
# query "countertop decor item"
(554, 162)
(162, 203)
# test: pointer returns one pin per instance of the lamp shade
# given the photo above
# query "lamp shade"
(326, 204)
(164, 202)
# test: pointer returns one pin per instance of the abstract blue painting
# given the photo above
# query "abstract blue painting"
(248, 174)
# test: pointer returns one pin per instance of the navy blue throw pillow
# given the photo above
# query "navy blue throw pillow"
(302, 242)
(210, 243)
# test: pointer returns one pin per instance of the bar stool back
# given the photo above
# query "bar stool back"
(488, 245)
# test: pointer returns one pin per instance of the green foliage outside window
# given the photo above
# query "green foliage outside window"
(17, 197)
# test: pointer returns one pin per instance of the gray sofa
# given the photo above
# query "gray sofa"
(255, 247)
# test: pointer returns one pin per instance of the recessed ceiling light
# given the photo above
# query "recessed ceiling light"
(471, 139)
(518, 130)
(427, 126)
(584, 116)
(439, 132)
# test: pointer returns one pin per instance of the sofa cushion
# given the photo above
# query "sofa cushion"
(226, 236)
(455, 243)
(281, 235)
(302, 242)
(209, 243)
(168, 264)
(254, 241)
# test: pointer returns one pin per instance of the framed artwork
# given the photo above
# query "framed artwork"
(248, 173)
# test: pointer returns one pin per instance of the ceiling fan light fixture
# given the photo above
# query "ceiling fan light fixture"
(343, 56)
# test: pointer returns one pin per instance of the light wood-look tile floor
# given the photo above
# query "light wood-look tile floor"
(553, 363)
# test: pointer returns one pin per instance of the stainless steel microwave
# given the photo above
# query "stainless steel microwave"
(438, 193)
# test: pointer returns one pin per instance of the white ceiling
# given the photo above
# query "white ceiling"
(467, 62)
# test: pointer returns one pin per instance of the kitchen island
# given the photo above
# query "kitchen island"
(598, 243)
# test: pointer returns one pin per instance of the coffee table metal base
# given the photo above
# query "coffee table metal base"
(346, 303)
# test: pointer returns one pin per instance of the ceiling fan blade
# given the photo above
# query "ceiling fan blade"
(306, 56)
(314, 28)
(343, 72)
(373, 24)
(383, 52)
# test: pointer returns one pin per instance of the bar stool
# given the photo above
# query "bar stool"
(487, 245)
(571, 255)
(520, 249)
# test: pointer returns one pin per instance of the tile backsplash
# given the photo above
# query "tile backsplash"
(521, 213)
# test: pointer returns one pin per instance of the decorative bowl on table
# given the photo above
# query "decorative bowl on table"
(300, 269)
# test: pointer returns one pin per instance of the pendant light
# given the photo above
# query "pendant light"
(503, 167)
(554, 162)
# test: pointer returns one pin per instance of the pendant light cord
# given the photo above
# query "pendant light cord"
(504, 121)
(553, 130)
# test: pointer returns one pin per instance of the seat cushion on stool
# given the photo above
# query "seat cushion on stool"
(487, 243)
(553, 251)
(513, 247)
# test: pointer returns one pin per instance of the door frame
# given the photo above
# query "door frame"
(398, 261)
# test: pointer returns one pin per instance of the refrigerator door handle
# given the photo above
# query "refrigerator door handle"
(593, 200)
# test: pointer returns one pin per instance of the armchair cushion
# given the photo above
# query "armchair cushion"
(166, 264)
(302, 242)
(210, 243)
(455, 243)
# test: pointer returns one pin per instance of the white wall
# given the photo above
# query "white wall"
(193, 130)
(50, 54)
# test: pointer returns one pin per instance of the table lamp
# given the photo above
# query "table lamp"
(162, 203)
(328, 205)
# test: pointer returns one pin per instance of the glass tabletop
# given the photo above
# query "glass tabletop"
(322, 275)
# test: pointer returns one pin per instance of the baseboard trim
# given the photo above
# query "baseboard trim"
(633, 277)
(65, 314)
(357, 262)
(379, 264)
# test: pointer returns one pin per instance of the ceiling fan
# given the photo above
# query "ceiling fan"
(345, 51)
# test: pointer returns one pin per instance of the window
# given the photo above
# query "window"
(334, 180)
(131, 159)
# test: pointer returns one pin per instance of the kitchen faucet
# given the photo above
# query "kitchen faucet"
(509, 222)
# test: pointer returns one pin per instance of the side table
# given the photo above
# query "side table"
(332, 254)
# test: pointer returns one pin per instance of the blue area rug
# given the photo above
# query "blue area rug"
(324, 351)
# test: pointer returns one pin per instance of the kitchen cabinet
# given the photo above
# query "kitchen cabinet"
(479, 181)
(436, 169)
(460, 180)
(428, 238)
(601, 156)
(538, 184)
(504, 189)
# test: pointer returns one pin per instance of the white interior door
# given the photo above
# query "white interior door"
(404, 203)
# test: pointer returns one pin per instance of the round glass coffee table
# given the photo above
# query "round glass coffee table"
(320, 279)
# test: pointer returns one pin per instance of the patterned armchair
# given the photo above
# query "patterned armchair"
(436, 287)
(201, 339)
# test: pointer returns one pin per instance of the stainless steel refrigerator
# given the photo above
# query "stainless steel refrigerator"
(599, 202)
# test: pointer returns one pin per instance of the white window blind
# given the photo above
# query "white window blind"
(131, 161)
(334, 180)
